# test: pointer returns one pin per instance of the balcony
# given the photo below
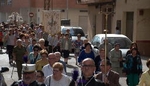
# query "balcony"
(94, 1)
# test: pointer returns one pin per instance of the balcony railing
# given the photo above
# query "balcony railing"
(93, 1)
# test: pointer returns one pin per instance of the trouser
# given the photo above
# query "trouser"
(19, 68)
(56, 49)
(50, 49)
(10, 51)
(133, 79)
(117, 69)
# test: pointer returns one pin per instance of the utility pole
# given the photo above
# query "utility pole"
(67, 8)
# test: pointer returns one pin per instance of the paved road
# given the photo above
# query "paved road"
(70, 67)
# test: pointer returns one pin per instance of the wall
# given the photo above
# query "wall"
(141, 23)
(143, 29)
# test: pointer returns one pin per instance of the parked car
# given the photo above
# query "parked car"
(123, 40)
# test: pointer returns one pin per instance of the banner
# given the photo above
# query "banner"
(52, 21)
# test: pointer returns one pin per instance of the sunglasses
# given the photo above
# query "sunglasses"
(39, 76)
(44, 56)
(28, 72)
(36, 50)
(87, 65)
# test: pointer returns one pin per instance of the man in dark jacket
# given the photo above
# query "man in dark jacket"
(87, 78)
(29, 76)
(108, 76)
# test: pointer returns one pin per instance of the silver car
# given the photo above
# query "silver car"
(123, 40)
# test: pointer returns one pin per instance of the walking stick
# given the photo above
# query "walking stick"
(105, 48)
(13, 64)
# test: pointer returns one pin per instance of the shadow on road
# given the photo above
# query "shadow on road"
(71, 66)
(145, 58)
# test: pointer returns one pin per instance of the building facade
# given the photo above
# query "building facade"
(69, 10)
(131, 16)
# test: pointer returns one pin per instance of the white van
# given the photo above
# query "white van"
(73, 31)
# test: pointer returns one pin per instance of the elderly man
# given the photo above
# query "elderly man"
(58, 56)
(108, 76)
(99, 58)
(29, 76)
(87, 78)
(19, 52)
(47, 69)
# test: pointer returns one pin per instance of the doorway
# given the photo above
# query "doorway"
(129, 24)
(83, 22)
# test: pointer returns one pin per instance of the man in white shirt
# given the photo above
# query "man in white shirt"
(47, 69)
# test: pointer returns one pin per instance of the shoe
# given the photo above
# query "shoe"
(10, 62)
(66, 62)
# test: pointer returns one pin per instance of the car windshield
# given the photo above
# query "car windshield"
(124, 42)
(74, 31)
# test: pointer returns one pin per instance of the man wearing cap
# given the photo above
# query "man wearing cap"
(68, 32)
(19, 52)
(29, 76)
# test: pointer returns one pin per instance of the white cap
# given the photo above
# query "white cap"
(28, 67)
(19, 40)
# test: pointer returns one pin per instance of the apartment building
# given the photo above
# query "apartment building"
(131, 16)
(78, 14)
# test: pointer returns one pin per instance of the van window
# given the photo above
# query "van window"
(124, 42)
(73, 31)
(76, 31)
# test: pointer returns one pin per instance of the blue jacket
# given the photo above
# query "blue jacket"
(128, 65)
(84, 55)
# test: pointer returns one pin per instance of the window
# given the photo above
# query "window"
(83, 10)
(2, 2)
(9, 2)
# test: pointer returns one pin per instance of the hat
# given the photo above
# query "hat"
(40, 25)
(117, 44)
(19, 40)
(1, 25)
(28, 68)
(78, 35)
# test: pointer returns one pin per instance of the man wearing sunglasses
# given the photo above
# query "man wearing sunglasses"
(107, 75)
(29, 76)
(87, 78)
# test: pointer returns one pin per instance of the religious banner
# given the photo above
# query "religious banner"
(51, 21)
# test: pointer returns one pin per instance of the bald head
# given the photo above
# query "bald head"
(89, 60)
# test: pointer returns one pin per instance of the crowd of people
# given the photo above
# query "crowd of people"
(38, 59)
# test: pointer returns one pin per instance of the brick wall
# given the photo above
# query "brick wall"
(144, 47)
(57, 4)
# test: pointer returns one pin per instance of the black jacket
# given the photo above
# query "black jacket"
(90, 82)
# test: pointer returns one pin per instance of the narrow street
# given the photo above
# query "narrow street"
(7, 75)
